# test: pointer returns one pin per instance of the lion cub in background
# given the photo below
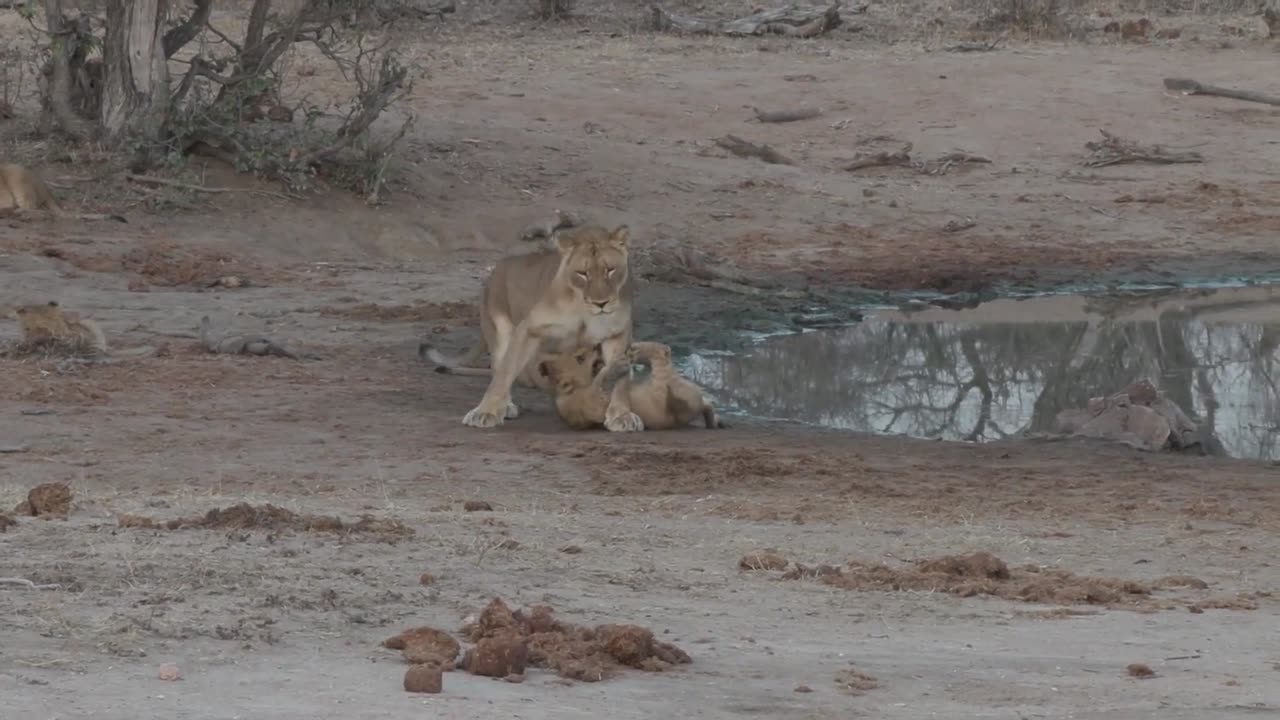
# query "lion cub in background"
(47, 327)
(664, 400)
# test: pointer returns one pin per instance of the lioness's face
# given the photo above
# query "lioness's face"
(595, 265)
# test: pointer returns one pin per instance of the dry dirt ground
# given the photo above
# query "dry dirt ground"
(279, 623)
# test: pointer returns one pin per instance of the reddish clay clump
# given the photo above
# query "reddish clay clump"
(539, 619)
(497, 657)
(628, 644)
(1140, 670)
(53, 498)
(496, 619)
(1189, 581)
(573, 652)
(979, 565)
(244, 516)
(854, 682)
(423, 679)
(425, 646)
(768, 559)
(985, 574)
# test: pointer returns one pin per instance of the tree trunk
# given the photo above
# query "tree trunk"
(56, 95)
(135, 99)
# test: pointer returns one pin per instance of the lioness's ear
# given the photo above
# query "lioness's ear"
(546, 371)
(620, 236)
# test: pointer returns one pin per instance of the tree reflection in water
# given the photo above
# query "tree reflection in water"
(1009, 367)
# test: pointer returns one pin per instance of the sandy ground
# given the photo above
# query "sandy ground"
(650, 528)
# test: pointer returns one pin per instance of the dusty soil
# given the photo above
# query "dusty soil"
(308, 499)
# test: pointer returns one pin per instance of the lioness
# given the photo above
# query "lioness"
(664, 400)
(552, 300)
(23, 190)
(544, 233)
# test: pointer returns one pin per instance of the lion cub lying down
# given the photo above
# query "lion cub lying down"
(580, 384)
(49, 328)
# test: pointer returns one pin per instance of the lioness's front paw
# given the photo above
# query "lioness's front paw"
(513, 412)
(481, 418)
(624, 422)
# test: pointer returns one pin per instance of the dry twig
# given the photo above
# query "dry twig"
(742, 148)
(785, 116)
(884, 158)
(902, 158)
(941, 165)
(1191, 87)
(1113, 150)
(681, 263)
(27, 583)
(978, 46)
(152, 180)
(791, 20)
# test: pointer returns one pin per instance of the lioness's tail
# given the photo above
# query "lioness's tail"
(454, 366)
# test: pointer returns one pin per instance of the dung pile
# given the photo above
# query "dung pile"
(984, 574)
(506, 643)
(244, 516)
(572, 651)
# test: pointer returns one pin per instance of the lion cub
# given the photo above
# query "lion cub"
(47, 327)
(664, 400)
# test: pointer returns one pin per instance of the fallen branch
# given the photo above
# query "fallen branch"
(902, 158)
(1191, 87)
(1112, 150)
(785, 116)
(742, 148)
(791, 20)
(941, 165)
(884, 158)
(680, 263)
(977, 46)
(152, 180)
(27, 583)
(437, 9)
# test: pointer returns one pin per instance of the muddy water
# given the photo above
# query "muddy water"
(1008, 367)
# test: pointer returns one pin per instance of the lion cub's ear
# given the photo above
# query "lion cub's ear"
(547, 370)
(565, 241)
(620, 236)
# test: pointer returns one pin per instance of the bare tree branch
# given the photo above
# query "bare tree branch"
(178, 37)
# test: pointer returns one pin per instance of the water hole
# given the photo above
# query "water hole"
(1007, 367)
